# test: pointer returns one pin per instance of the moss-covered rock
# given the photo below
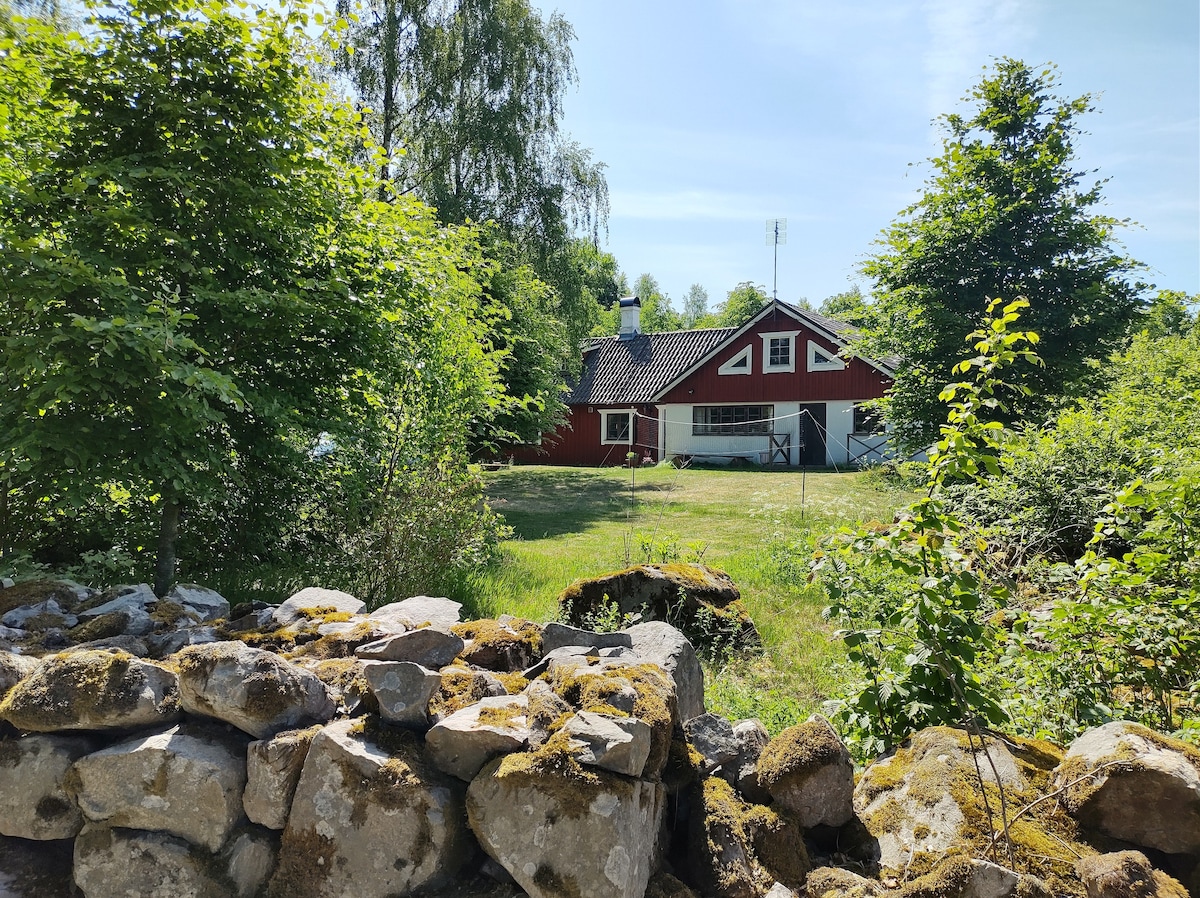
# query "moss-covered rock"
(808, 770)
(510, 646)
(93, 690)
(1127, 874)
(834, 882)
(593, 689)
(701, 601)
(925, 802)
(1133, 784)
(738, 850)
(565, 832)
(31, 592)
(256, 691)
(371, 818)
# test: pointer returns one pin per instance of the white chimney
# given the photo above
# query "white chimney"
(631, 317)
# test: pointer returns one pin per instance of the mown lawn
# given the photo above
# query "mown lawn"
(759, 525)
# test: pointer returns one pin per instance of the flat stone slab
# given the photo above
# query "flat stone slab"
(556, 635)
(428, 646)
(419, 611)
(312, 598)
(464, 742)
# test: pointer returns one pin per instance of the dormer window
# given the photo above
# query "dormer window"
(779, 352)
(822, 359)
(742, 363)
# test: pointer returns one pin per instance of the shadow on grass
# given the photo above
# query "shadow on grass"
(538, 503)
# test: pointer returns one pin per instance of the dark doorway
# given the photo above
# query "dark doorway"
(812, 435)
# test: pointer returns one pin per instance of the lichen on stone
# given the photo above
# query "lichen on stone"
(511, 646)
(591, 689)
(938, 763)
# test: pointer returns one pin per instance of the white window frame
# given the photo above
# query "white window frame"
(612, 413)
(746, 357)
(834, 361)
(790, 367)
(761, 424)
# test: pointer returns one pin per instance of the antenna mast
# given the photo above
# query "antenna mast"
(776, 234)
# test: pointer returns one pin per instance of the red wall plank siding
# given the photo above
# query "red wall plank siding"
(580, 444)
(857, 380)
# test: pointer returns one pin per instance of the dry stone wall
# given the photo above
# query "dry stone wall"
(315, 749)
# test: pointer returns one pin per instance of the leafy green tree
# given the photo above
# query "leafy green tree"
(1170, 313)
(917, 598)
(695, 306)
(741, 304)
(1004, 214)
(195, 286)
(657, 312)
(849, 306)
(465, 99)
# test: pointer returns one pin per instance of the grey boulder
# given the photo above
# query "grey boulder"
(189, 785)
(421, 611)
(403, 690)
(119, 863)
(619, 744)
(368, 821)
(557, 839)
(92, 690)
(255, 690)
(462, 743)
(314, 599)
(34, 804)
(807, 770)
(427, 646)
(13, 669)
(205, 603)
(1144, 788)
(272, 771)
(659, 643)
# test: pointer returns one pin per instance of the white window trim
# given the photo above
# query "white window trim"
(746, 355)
(604, 416)
(789, 368)
(834, 363)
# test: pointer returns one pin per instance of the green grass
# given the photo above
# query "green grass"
(759, 525)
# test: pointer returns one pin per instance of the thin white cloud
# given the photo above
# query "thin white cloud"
(963, 36)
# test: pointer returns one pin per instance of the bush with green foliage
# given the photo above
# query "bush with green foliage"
(916, 598)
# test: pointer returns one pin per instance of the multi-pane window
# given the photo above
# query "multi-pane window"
(779, 352)
(617, 427)
(732, 419)
(866, 419)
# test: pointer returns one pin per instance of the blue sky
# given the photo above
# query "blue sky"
(716, 115)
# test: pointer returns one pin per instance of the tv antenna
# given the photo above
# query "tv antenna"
(776, 234)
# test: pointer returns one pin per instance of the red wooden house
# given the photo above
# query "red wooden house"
(780, 389)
